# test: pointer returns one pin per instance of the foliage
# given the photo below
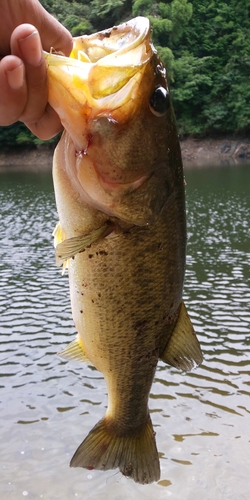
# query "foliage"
(18, 135)
(204, 44)
(218, 34)
(107, 13)
(194, 82)
(15, 135)
(168, 18)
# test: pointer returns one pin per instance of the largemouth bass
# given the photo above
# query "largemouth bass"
(119, 190)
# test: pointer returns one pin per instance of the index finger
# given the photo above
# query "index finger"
(13, 13)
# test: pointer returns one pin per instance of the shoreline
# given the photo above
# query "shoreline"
(195, 153)
(215, 152)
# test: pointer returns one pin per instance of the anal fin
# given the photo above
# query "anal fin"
(183, 349)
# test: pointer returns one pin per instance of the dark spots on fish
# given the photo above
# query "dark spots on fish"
(99, 294)
(103, 252)
(72, 257)
(89, 139)
(166, 319)
(128, 470)
(160, 246)
(149, 358)
(140, 327)
(154, 354)
(91, 255)
(92, 301)
(81, 311)
(105, 34)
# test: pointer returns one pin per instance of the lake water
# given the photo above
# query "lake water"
(202, 419)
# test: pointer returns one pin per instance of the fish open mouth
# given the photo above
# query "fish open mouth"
(101, 76)
(104, 62)
(114, 55)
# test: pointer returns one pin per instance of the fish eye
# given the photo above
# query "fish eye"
(159, 101)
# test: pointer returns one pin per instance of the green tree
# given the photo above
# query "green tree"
(194, 81)
(168, 20)
(75, 16)
(219, 34)
(204, 44)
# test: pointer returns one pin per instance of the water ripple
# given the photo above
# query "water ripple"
(49, 405)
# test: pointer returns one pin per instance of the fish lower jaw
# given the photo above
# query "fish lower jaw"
(96, 182)
(111, 184)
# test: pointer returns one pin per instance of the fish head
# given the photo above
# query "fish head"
(112, 97)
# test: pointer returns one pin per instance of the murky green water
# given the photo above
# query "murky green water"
(202, 419)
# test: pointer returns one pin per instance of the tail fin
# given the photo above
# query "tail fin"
(136, 456)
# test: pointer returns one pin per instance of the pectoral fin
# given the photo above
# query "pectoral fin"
(183, 349)
(74, 351)
(59, 237)
(72, 246)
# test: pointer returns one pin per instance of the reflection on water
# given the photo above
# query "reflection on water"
(48, 406)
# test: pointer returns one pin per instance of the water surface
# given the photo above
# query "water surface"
(201, 419)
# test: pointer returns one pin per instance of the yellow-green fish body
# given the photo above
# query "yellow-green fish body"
(120, 197)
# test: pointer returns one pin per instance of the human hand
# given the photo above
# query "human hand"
(23, 74)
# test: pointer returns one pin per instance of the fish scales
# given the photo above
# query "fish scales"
(144, 265)
(119, 191)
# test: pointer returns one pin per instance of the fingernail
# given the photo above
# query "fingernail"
(15, 77)
(31, 49)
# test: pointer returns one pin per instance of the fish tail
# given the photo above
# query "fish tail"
(135, 455)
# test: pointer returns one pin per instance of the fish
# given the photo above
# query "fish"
(120, 196)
